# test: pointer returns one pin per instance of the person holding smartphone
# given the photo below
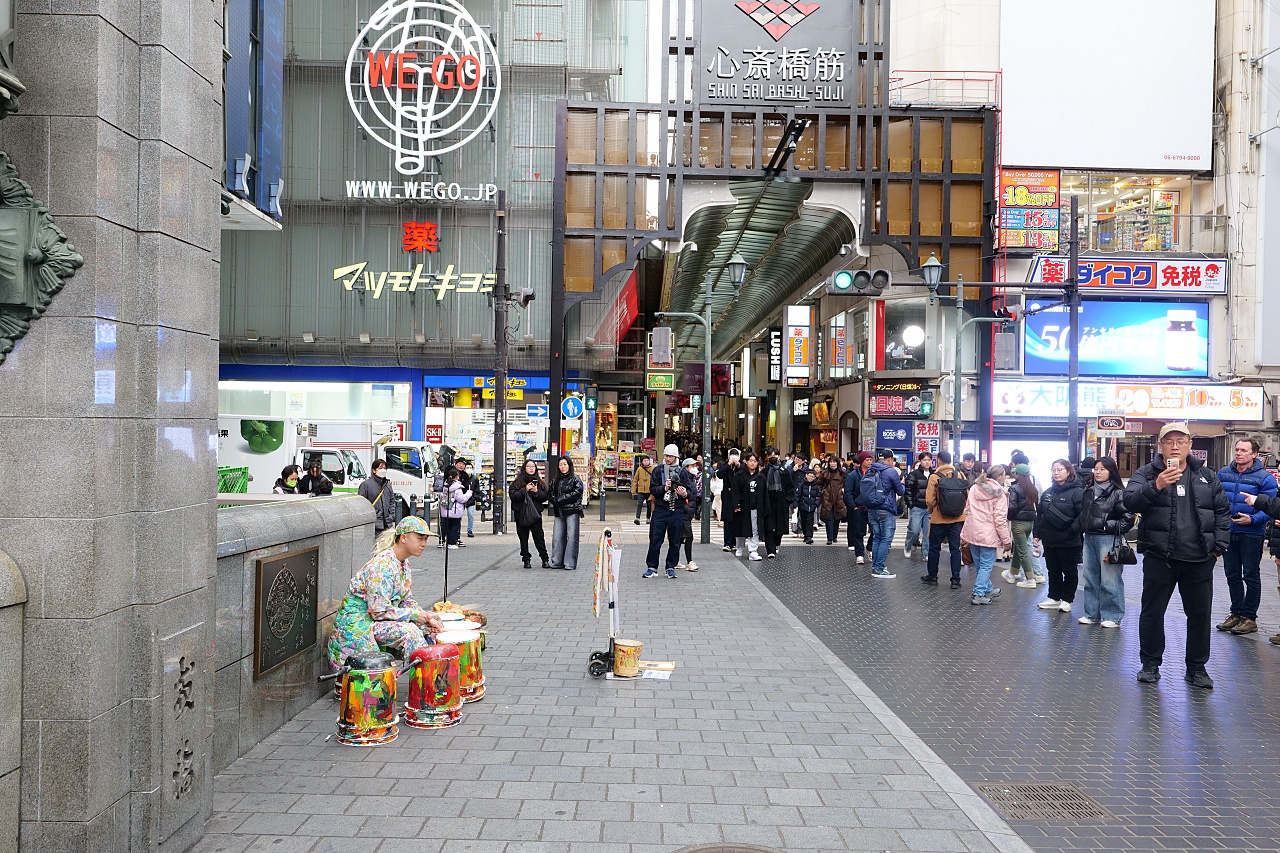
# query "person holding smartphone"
(1185, 527)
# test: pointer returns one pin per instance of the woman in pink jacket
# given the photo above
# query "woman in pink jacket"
(986, 528)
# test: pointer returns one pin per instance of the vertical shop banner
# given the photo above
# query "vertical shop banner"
(1029, 209)
(928, 437)
(691, 378)
(775, 354)
(799, 353)
(721, 380)
(839, 353)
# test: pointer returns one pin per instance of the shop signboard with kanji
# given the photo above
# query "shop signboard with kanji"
(1141, 276)
(1029, 208)
(1186, 402)
(928, 437)
(778, 54)
(895, 399)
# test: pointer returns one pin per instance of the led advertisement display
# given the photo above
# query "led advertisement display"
(1120, 339)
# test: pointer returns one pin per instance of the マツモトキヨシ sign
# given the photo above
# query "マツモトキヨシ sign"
(422, 79)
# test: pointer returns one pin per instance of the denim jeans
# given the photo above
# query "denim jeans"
(564, 543)
(471, 520)
(833, 527)
(1103, 582)
(918, 528)
(1023, 561)
(1244, 580)
(984, 560)
(883, 522)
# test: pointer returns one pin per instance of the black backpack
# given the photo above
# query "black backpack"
(952, 493)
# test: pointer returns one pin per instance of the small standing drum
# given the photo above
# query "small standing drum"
(367, 703)
(470, 668)
(435, 695)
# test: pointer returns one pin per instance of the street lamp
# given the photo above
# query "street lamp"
(931, 272)
(737, 267)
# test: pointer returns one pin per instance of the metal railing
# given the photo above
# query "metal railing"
(944, 88)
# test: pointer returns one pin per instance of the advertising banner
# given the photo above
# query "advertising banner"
(1138, 276)
(775, 354)
(1029, 208)
(1120, 339)
(895, 435)
(896, 398)
(1015, 399)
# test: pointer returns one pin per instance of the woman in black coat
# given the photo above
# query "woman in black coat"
(528, 496)
(1058, 529)
(749, 487)
(1104, 520)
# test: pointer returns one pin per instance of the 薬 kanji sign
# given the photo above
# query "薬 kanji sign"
(1120, 275)
(421, 237)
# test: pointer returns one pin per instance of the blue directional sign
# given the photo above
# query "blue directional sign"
(571, 408)
(531, 411)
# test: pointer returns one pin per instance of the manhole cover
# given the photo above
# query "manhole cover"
(1044, 802)
(727, 848)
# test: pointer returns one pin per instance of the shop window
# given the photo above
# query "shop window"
(904, 334)
(966, 210)
(900, 146)
(900, 213)
(615, 202)
(966, 147)
(580, 201)
(930, 209)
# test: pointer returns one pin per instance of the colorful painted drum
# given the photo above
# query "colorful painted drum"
(450, 616)
(465, 625)
(367, 703)
(470, 668)
(626, 658)
(435, 694)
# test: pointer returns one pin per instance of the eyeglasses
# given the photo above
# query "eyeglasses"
(1175, 442)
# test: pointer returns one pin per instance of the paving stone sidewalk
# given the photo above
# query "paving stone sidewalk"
(761, 736)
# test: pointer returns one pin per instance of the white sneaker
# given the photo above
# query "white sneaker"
(906, 552)
(851, 548)
(860, 561)
(1026, 583)
(1049, 604)
(1008, 576)
(726, 549)
(1107, 623)
(453, 547)
(1064, 606)
(1085, 620)
(692, 567)
(1042, 578)
(738, 553)
(754, 556)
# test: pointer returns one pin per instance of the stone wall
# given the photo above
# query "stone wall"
(13, 594)
(245, 711)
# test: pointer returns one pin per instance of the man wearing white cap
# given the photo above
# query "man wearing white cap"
(671, 487)
(1185, 527)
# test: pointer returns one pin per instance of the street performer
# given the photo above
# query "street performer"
(379, 610)
(671, 487)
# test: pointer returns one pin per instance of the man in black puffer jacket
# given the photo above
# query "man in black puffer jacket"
(1185, 527)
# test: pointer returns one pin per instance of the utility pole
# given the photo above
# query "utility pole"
(501, 303)
(1073, 336)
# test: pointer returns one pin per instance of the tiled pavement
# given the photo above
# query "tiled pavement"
(761, 736)
(1009, 693)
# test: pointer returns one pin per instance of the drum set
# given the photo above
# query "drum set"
(442, 677)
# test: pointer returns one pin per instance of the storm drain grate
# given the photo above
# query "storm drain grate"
(1043, 802)
(727, 848)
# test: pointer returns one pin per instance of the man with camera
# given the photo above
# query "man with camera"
(1185, 527)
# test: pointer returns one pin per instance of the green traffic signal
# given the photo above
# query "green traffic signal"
(842, 281)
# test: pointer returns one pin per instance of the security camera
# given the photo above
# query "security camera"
(844, 249)
(525, 296)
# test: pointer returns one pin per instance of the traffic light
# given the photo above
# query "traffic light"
(1008, 313)
(592, 396)
(859, 282)
(926, 404)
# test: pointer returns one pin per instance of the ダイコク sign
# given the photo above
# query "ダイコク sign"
(422, 79)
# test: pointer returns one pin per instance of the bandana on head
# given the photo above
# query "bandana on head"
(412, 524)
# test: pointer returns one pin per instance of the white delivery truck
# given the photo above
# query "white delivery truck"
(266, 445)
(413, 468)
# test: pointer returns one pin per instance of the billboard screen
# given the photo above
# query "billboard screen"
(1120, 339)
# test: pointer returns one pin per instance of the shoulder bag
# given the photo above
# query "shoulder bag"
(1121, 554)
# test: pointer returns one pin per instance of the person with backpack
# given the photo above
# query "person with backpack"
(986, 529)
(1023, 496)
(878, 491)
(453, 505)
(1058, 529)
(808, 499)
(858, 526)
(833, 510)
(946, 497)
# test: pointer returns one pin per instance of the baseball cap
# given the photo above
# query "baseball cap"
(886, 454)
(413, 524)
(1176, 426)
(686, 463)
(671, 450)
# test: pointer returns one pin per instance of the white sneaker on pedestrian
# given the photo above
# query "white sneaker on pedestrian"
(1042, 578)
(726, 549)
(692, 567)
(1107, 623)
(754, 556)
(453, 547)
(861, 561)
(1026, 583)
(1064, 606)
(1049, 604)
(1085, 620)
(679, 565)
(1008, 576)
(906, 552)
(851, 548)
(738, 553)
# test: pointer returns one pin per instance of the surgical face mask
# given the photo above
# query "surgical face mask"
(291, 482)
(380, 473)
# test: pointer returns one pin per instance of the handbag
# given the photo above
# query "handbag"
(1121, 554)
(966, 556)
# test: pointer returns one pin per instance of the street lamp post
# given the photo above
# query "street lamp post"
(737, 268)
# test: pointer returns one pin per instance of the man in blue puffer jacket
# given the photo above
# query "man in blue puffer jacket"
(1248, 532)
